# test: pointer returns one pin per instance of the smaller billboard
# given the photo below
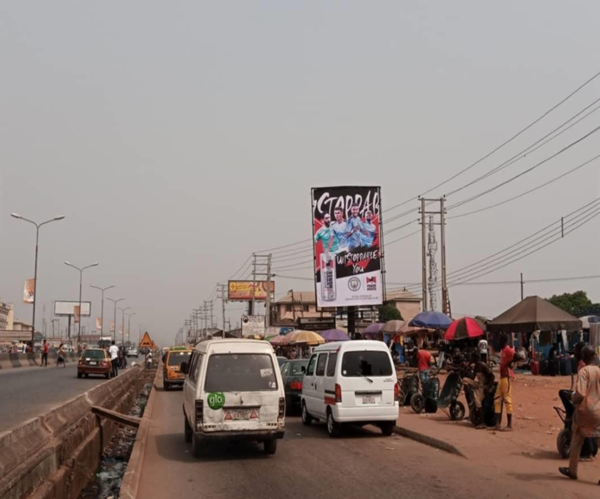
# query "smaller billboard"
(99, 323)
(66, 308)
(242, 290)
(28, 291)
(253, 325)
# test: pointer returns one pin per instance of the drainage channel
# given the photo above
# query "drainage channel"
(106, 483)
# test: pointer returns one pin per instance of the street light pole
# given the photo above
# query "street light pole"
(115, 321)
(80, 269)
(123, 325)
(129, 316)
(102, 306)
(37, 239)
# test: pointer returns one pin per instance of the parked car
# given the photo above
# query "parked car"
(132, 352)
(233, 391)
(292, 373)
(94, 361)
(172, 360)
(351, 382)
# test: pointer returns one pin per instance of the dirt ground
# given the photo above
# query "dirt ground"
(529, 452)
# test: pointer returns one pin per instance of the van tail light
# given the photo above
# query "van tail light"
(199, 411)
(281, 407)
(397, 392)
(296, 385)
(338, 394)
(102, 364)
(81, 362)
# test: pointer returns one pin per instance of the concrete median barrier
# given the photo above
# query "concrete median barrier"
(133, 473)
(53, 456)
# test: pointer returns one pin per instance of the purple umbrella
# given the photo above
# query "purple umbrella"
(335, 335)
(373, 329)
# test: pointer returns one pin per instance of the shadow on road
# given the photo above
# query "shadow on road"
(173, 448)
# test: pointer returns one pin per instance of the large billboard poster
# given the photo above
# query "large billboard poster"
(347, 246)
(242, 290)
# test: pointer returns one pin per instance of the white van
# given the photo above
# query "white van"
(233, 390)
(351, 382)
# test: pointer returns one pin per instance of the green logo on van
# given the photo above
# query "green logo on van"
(216, 400)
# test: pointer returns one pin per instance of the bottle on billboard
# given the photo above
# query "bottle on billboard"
(328, 290)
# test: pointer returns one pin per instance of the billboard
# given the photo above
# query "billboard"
(28, 291)
(347, 246)
(99, 323)
(253, 325)
(66, 308)
(242, 290)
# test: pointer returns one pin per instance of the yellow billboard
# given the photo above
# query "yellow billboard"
(242, 290)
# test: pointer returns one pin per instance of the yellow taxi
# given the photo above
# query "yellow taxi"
(172, 360)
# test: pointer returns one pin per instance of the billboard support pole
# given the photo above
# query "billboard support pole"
(352, 321)
(69, 329)
(253, 284)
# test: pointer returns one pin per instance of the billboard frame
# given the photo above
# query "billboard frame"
(381, 246)
(250, 281)
(75, 304)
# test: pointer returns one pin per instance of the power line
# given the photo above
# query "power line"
(506, 142)
(531, 148)
(573, 170)
(502, 184)
(557, 238)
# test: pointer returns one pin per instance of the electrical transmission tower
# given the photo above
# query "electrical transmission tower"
(432, 282)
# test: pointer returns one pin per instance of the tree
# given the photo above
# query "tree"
(389, 313)
(577, 304)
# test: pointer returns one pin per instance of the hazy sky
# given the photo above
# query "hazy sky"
(178, 137)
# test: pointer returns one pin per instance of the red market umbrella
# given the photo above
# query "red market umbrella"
(464, 328)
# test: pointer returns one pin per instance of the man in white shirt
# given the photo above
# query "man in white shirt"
(114, 358)
(483, 350)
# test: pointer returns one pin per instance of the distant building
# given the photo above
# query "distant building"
(301, 306)
(6, 315)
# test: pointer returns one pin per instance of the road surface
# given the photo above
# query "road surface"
(308, 463)
(29, 392)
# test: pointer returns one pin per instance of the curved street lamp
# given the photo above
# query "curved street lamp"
(37, 238)
(80, 269)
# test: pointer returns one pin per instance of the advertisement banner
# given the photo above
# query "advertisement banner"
(242, 290)
(99, 323)
(77, 312)
(112, 326)
(253, 325)
(28, 291)
(347, 246)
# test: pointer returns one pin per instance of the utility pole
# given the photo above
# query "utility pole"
(205, 318)
(445, 296)
(424, 253)
(223, 297)
(268, 300)
(522, 288)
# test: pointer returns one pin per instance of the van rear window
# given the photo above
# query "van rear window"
(366, 363)
(176, 358)
(240, 373)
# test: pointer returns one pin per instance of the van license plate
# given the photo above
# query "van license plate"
(368, 399)
(93, 363)
(238, 415)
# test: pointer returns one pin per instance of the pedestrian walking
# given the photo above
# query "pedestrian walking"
(61, 357)
(114, 358)
(45, 348)
(586, 398)
(483, 350)
(504, 391)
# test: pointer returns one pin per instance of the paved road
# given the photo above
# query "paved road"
(29, 392)
(310, 464)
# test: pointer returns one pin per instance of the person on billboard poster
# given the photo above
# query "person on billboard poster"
(327, 236)
(355, 229)
(340, 230)
(369, 232)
